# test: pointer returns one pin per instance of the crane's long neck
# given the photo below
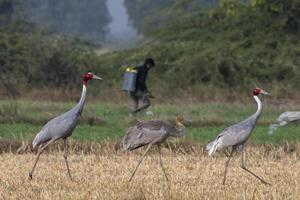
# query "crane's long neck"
(82, 98)
(259, 107)
(181, 130)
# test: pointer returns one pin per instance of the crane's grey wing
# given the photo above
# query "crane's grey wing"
(284, 119)
(234, 135)
(144, 133)
(153, 125)
(289, 117)
(59, 127)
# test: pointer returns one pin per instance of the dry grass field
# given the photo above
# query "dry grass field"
(101, 172)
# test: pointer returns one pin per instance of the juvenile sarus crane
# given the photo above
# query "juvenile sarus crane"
(236, 135)
(284, 119)
(61, 127)
(150, 133)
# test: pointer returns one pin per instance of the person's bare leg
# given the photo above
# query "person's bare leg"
(161, 163)
(227, 163)
(38, 156)
(140, 160)
(66, 157)
(247, 170)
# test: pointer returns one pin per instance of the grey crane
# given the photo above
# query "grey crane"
(236, 135)
(284, 119)
(61, 127)
(150, 133)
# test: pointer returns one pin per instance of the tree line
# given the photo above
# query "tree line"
(231, 45)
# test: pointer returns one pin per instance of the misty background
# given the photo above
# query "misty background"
(225, 45)
(120, 28)
(99, 21)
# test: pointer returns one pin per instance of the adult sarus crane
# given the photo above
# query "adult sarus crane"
(284, 119)
(61, 127)
(236, 135)
(150, 133)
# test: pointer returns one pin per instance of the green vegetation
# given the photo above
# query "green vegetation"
(197, 134)
(204, 51)
(227, 48)
(31, 56)
(232, 46)
(150, 15)
(71, 17)
(21, 120)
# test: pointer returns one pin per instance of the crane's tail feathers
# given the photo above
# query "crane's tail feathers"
(125, 146)
(38, 140)
(213, 146)
(125, 143)
(33, 145)
(208, 147)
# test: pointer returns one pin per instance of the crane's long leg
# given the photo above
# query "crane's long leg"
(247, 170)
(226, 153)
(141, 159)
(66, 157)
(161, 163)
(38, 156)
(227, 163)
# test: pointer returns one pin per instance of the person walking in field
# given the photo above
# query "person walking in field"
(141, 92)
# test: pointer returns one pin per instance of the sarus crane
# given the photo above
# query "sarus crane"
(61, 127)
(149, 133)
(284, 119)
(236, 135)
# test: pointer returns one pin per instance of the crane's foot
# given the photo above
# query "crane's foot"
(70, 177)
(167, 179)
(265, 183)
(30, 176)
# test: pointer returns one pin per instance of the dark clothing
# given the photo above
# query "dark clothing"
(139, 96)
(141, 91)
(140, 84)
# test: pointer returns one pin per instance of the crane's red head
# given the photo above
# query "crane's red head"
(88, 76)
(258, 91)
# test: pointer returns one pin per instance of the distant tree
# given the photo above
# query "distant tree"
(28, 57)
(60, 69)
(286, 13)
(74, 17)
(138, 10)
(148, 15)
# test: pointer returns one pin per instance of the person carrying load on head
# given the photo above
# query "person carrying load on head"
(135, 82)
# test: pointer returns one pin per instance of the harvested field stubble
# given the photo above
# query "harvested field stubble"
(103, 174)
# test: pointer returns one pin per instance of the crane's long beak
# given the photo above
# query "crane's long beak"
(97, 77)
(264, 92)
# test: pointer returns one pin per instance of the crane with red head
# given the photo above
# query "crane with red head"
(62, 126)
(236, 135)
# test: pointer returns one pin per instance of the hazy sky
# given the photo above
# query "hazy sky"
(120, 22)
